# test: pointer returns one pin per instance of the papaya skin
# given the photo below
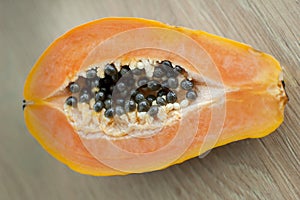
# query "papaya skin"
(252, 76)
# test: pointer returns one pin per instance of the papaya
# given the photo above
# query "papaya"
(126, 95)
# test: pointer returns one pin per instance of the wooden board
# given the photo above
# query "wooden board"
(265, 168)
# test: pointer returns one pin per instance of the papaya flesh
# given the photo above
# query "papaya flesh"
(127, 95)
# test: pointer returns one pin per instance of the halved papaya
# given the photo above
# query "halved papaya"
(127, 95)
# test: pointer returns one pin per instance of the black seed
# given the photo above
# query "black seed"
(123, 94)
(167, 63)
(153, 110)
(120, 102)
(124, 70)
(94, 83)
(84, 98)
(71, 101)
(74, 87)
(91, 73)
(111, 88)
(130, 106)
(153, 85)
(109, 96)
(100, 96)
(142, 82)
(167, 66)
(115, 78)
(133, 93)
(171, 74)
(162, 92)
(121, 86)
(179, 69)
(119, 110)
(139, 97)
(109, 113)
(107, 103)
(158, 72)
(161, 101)
(191, 95)
(103, 89)
(110, 69)
(165, 84)
(131, 82)
(98, 106)
(143, 106)
(150, 98)
(83, 91)
(173, 82)
(137, 71)
(171, 97)
(186, 84)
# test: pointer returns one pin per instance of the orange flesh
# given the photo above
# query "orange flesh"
(252, 106)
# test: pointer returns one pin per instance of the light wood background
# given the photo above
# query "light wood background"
(265, 168)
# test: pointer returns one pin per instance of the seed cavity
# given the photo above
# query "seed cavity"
(137, 92)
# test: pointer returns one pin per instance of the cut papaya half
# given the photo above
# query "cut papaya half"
(127, 95)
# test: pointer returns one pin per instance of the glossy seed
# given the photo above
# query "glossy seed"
(137, 71)
(119, 110)
(109, 96)
(142, 82)
(124, 70)
(167, 63)
(74, 87)
(162, 92)
(158, 72)
(153, 85)
(111, 88)
(121, 86)
(165, 84)
(173, 82)
(133, 93)
(161, 101)
(84, 96)
(103, 89)
(153, 110)
(123, 94)
(120, 102)
(115, 78)
(109, 113)
(139, 97)
(93, 83)
(179, 69)
(130, 106)
(100, 96)
(91, 73)
(167, 66)
(110, 70)
(171, 97)
(143, 106)
(191, 95)
(107, 103)
(150, 98)
(98, 106)
(71, 101)
(186, 84)
(131, 82)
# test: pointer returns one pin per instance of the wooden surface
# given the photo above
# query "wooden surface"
(265, 168)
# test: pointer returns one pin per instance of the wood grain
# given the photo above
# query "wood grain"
(266, 168)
